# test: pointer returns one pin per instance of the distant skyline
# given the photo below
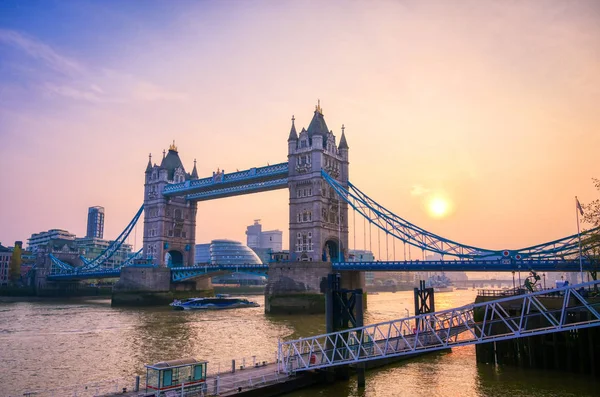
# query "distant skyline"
(491, 107)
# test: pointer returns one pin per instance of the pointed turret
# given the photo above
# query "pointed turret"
(343, 144)
(149, 167)
(194, 171)
(293, 135)
(171, 161)
(317, 125)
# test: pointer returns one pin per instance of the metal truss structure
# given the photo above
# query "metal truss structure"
(467, 325)
(240, 182)
(114, 246)
(420, 238)
(466, 265)
(60, 267)
(185, 273)
(248, 188)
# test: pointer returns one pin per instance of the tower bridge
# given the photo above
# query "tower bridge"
(316, 175)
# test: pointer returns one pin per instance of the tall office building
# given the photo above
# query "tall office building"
(95, 223)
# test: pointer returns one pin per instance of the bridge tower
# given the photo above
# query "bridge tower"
(318, 218)
(169, 223)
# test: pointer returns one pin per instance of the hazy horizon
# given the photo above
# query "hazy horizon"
(490, 106)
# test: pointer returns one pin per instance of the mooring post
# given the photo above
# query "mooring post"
(424, 303)
(360, 368)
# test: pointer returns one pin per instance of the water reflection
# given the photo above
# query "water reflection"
(54, 343)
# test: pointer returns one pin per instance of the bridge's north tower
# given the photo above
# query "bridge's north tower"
(169, 222)
(318, 218)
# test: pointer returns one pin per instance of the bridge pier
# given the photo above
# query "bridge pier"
(298, 287)
(150, 286)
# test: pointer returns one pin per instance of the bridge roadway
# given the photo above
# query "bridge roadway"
(179, 274)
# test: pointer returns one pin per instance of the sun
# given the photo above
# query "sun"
(438, 207)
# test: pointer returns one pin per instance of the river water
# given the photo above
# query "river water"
(51, 343)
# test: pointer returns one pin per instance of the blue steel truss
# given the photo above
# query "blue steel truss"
(113, 247)
(418, 237)
(221, 181)
(185, 273)
(237, 190)
(59, 267)
(73, 276)
(462, 326)
(467, 265)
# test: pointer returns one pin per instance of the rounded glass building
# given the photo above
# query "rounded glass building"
(229, 252)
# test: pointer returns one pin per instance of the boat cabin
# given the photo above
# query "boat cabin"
(186, 374)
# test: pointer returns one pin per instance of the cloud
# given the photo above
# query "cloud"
(73, 92)
(145, 91)
(84, 83)
(41, 51)
(418, 190)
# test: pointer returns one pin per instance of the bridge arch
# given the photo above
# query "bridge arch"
(332, 251)
(174, 258)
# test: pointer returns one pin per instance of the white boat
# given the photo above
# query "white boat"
(447, 288)
(216, 303)
(440, 283)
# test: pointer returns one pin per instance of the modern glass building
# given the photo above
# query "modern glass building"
(229, 252)
(95, 222)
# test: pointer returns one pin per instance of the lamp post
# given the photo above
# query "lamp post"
(544, 277)
(513, 273)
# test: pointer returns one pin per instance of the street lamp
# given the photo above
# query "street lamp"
(544, 277)
(407, 312)
(513, 273)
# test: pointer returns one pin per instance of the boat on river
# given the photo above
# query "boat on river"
(216, 303)
(440, 283)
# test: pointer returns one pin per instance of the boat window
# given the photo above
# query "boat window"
(167, 377)
(198, 372)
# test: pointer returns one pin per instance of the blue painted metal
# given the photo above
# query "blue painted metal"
(237, 190)
(185, 273)
(59, 267)
(461, 326)
(113, 247)
(467, 265)
(418, 237)
(108, 273)
(221, 181)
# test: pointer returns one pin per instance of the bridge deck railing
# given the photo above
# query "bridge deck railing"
(466, 325)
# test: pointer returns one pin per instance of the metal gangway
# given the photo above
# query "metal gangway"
(556, 310)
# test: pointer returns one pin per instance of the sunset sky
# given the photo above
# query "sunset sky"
(492, 107)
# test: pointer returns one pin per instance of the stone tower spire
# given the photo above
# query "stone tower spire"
(318, 218)
(293, 135)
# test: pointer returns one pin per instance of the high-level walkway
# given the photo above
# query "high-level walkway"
(529, 315)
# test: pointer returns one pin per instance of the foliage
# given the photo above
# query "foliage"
(591, 213)
(15, 265)
(590, 245)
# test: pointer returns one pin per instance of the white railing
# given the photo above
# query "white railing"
(470, 324)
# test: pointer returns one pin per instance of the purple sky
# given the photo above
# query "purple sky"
(491, 105)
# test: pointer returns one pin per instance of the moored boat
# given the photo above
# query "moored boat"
(216, 303)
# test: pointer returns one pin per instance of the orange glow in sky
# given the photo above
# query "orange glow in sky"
(494, 103)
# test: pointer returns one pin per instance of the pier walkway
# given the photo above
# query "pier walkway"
(466, 325)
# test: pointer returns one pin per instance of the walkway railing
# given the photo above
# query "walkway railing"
(467, 325)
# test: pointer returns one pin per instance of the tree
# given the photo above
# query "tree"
(590, 244)
(15, 264)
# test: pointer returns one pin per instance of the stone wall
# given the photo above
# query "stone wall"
(147, 279)
(295, 287)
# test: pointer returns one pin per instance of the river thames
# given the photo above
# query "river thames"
(52, 343)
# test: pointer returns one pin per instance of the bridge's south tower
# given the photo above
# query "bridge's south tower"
(169, 223)
(318, 218)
